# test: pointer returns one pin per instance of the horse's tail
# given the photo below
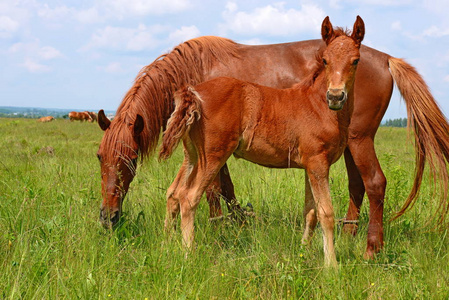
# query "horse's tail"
(187, 111)
(431, 132)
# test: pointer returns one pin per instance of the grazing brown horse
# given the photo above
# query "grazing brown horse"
(80, 116)
(305, 127)
(149, 103)
(92, 115)
(46, 119)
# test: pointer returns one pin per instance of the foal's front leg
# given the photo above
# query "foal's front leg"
(309, 212)
(318, 173)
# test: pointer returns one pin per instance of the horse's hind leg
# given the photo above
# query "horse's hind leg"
(318, 172)
(375, 183)
(213, 193)
(309, 212)
(228, 194)
(356, 193)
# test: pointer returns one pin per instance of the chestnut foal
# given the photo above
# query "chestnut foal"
(305, 126)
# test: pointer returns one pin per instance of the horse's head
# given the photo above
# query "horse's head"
(340, 59)
(118, 153)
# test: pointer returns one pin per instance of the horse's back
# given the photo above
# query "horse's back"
(283, 65)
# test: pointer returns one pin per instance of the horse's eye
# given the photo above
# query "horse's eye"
(324, 62)
(99, 157)
(355, 62)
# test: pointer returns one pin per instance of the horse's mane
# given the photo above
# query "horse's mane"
(318, 66)
(151, 96)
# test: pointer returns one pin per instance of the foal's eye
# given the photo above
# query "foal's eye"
(99, 157)
(324, 62)
(355, 62)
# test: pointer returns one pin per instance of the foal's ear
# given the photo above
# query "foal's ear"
(103, 121)
(358, 33)
(138, 125)
(327, 31)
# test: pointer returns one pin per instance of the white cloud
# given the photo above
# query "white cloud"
(254, 41)
(396, 25)
(124, 39)
(435, 31)
(113, 68)
(88, 16)
(54, 14)
(35, 67)
(48, 53)
(7, 26)
(183, 34)
(273, 20)
(144, 7)
(32, 55)
(377, 2)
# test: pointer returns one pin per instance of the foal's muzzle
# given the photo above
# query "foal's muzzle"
(336, 98)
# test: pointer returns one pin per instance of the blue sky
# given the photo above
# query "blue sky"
(85, 54)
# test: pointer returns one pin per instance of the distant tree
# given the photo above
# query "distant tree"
(401, 122)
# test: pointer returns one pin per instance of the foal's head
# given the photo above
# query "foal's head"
(340, 59)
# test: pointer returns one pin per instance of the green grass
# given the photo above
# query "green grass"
(52, 245)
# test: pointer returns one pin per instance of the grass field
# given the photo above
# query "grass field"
(52, 245)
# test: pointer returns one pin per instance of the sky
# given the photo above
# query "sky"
(85, 55)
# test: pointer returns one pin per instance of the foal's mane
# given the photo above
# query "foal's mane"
(152, 92)
(318, 66)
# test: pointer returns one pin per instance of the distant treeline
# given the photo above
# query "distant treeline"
(34, 113)
(401, 122)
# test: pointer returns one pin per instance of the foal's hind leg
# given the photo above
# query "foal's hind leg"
(309, 212)
(189, 193)
(318, 171)
(172, 202)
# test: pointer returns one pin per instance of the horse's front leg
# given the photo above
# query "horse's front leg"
(318, 173)
(356, 193)
(375, 183)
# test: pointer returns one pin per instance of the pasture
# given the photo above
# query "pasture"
(52, 245)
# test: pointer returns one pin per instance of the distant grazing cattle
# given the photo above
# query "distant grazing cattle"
(80, 116)
(46, 119)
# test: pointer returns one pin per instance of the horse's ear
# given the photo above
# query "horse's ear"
(103, 121)
(358, 33)
(327, 31)
(138, 125)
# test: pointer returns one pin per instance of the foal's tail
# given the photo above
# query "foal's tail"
(431, 131)
(187, 111)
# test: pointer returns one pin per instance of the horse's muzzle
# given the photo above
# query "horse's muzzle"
(109, 219)
(336, 98)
